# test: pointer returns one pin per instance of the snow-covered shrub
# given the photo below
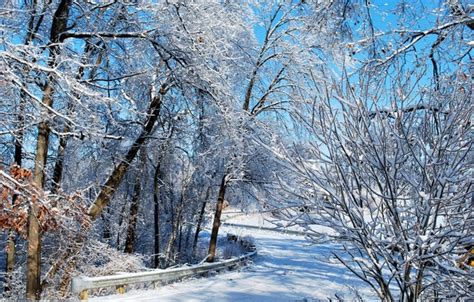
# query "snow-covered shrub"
(17, 285)
(395, 187)
(100, 259)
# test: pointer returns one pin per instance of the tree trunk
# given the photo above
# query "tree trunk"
(106, 234)
(132, 224)
(217, 221)
(58, 166)
(33, 272)
(174, 231)
(19, 136)
(120, 222)
(130, 240)
(156, 215)
(180, 237)
(200, 220)
(33, 289)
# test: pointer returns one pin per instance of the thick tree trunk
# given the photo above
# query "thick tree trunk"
(217, 221)
(130, 240)
(33, 273)
(133, 217)
(106, 234)
(19, 135)
(33, 277)
(58, 166)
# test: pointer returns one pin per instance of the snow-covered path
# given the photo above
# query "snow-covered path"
(285, 269)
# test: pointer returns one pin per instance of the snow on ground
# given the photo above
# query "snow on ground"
(265, 220)
(253, 219)
(285, 269)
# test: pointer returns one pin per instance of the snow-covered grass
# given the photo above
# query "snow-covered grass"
(226, 248)
(285, 269)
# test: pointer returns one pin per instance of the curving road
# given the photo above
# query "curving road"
(285, 269)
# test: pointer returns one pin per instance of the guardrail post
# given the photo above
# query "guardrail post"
(84, 295)
(120, 289)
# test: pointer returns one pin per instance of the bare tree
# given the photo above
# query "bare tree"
(387, 165)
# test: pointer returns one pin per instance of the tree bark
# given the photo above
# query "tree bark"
(106, 234)
(132, 224)
(33, 289)
(33, 275)
(58, 166)
(217, 220)
(130, 240)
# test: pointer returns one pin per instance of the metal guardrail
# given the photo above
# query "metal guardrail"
(81, 285)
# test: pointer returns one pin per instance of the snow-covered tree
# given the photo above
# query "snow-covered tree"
(385, 164)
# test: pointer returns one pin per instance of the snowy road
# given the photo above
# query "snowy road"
(286, 269)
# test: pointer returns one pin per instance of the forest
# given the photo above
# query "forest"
(128, 127)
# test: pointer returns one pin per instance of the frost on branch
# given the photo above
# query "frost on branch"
(395, 187)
